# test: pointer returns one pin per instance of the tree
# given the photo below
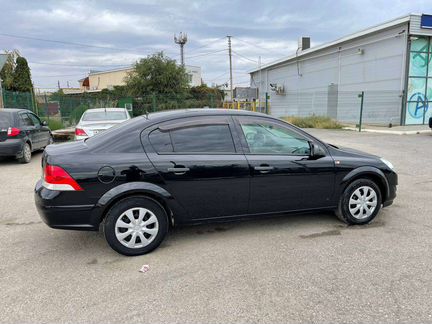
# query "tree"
(157, 74)
(7, 71)
(21, 80)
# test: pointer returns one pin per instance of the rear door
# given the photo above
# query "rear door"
(284, 175)
(29, 128)
(43, 132)
(202, 165)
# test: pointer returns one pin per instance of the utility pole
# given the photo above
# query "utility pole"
(230, 67)
(181, 40)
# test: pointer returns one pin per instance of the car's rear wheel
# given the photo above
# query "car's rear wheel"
(360, 202)
(135, 225)
(26, 154)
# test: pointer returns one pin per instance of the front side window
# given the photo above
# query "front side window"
(195, 139)
(271, 138)
(35, 120)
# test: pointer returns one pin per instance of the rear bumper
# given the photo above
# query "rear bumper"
(11, 147)
(74, 217)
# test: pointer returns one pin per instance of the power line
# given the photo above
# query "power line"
(246, 58)
(208, 44)
(56, 76)
(263, 48)
(204, 54)
(113, 48)
(81, 65)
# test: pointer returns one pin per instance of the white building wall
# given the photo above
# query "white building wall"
(195, 75)
(374, 63)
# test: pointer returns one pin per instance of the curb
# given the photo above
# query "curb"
(394, 132)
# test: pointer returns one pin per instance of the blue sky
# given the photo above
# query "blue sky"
(123, 31)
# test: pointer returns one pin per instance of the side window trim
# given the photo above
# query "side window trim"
(245, 145)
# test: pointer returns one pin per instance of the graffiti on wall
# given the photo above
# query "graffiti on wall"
(419, 82)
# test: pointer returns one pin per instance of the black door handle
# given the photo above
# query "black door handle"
(178, 170)
(264, 168)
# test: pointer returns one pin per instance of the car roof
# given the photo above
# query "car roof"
(15, 110)
(169, 114)
(107, 108)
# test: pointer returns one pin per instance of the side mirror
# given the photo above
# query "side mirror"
(316, 151)
(44, 123)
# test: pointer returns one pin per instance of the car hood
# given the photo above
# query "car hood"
(350, 151)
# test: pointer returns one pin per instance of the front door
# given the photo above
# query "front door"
(284, 175)
(201, 164)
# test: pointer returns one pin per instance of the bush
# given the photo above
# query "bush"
(78, 112)
(54, 123)
(313, 122)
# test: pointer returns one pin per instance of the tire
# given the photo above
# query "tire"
(147, 235)
(360, 202)
(26, 154)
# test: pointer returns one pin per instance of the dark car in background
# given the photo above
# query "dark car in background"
(203, 165)
(21, 133)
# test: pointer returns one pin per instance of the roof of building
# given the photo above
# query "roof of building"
(373, 29)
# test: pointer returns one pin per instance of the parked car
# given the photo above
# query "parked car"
(97, 120)
(430, 122)
(21, 133)
(203, 165)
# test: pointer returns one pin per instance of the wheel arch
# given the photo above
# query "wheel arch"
(130, 189)
(371, 173)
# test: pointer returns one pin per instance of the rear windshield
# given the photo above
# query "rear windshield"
(104, 115)
(5, 119)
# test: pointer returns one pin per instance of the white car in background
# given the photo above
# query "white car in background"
(97, 120)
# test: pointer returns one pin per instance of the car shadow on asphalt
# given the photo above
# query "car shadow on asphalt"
(6, 160)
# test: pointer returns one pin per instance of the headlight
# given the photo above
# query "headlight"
(388, 163)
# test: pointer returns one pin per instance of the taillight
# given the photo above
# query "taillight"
(12, 131)
(56, 178)
(80, 132)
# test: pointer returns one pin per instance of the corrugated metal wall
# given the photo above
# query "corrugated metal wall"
(327, 82)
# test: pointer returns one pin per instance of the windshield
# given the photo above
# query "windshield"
(104, 115)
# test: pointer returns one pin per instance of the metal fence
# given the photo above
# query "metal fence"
(379, 107)
(66, 110)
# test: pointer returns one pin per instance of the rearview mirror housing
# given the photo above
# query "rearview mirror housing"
(44, 123)
(316, 151)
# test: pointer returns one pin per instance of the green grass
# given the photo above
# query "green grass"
(54, 123)
(313, 122)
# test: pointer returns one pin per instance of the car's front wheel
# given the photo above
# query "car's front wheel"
(360, 202)
(135, 225)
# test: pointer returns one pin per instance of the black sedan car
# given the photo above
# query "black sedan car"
(203, 165)
(21, 133)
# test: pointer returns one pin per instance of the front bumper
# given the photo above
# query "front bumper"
(73, 217)
(392, 179)
(11, 147)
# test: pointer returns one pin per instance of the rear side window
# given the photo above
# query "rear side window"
(161, 141)
(6, 119)
(196, 139)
